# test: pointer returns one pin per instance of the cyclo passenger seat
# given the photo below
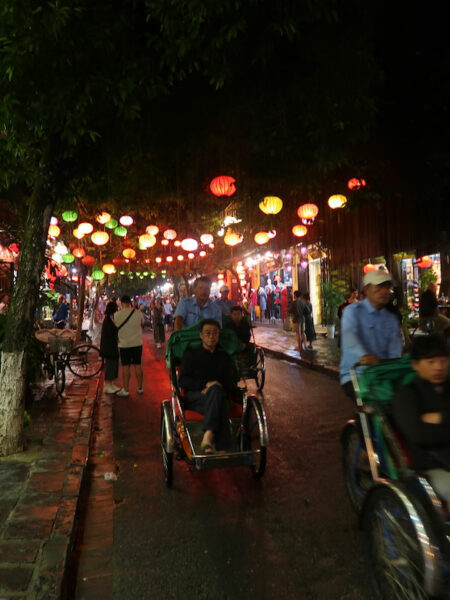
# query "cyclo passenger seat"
(378, 385)
(187, 338)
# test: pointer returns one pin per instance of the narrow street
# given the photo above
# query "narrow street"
(221, 534)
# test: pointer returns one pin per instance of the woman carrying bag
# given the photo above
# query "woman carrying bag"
(109, 348)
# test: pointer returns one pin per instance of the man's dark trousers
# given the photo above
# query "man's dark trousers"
(214, 406)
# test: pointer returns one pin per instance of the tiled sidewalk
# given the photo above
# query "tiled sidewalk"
(324, 356)
(39, 492)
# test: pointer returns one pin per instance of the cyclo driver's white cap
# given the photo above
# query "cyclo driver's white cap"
(377, 277)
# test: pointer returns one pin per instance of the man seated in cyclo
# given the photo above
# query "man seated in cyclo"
(239, 323)
(197, 307)
(208, 376)
(421, 411)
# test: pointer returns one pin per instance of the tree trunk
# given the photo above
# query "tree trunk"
(21, 317)
(81, 296)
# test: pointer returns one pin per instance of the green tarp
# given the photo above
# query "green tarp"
(189, 337)
(378, 383)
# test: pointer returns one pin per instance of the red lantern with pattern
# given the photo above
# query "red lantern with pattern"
(88, 260)
(307, 213)
(224, 185)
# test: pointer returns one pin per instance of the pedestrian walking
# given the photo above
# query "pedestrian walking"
(129, 325)
(109, 348)
(158, 317)
(61, 313)
(310, 332)
(297, 310)
(168, 315)
(262, 301)
(253, 303)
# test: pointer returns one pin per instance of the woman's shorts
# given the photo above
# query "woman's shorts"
(131, 356)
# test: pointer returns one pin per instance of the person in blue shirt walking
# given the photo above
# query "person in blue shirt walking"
(369, 331)
(197, 307)
(223, 302)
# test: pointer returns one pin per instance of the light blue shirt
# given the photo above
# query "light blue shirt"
(225, 305)
(192, 312)
(366, 330)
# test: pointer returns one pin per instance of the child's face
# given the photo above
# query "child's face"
(433, 369)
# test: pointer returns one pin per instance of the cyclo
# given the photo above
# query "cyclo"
(406, 525)
(181, 429)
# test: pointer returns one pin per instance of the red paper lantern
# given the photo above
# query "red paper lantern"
(78, 252)
(424, 262)
(88, 260)
(355, 184)
(118, 261)
(223, 185)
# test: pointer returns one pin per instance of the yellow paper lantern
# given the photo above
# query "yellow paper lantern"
(78, 234)
(158, 259)
(232, 239)
(337, 201)
(147, 240)
(271, 205)
(100, 238)
(54, 231)
(109, 269)
(262, 238)
(169, 259)
(85, 228)
(129, 253)
(299, 230)
(152, 229)
(103, 218)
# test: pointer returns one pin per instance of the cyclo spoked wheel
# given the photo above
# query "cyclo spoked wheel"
(60, 377)
(85, 361)
(252, 434)
(167, 457)
(394, 526)
(260, 369)
(355, 464)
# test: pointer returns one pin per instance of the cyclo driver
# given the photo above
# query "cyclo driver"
(208, 376)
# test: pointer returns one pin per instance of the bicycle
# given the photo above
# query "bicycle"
(83, 359)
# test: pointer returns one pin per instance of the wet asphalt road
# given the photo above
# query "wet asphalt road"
(222, 535)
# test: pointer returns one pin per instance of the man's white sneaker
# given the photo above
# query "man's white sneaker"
(122, 393)
(140, 391)
(110, 390)
(115, 388)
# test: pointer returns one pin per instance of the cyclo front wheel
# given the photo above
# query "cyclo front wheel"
(85, 361)
(60, 377)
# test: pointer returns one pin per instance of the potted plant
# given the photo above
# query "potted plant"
(332, 297)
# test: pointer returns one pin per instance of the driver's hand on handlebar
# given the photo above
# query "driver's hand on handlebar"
(369, 359)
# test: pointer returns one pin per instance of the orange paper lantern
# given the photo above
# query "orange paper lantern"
(78, 252)
(223, 185)
(299, 230)
(425, 262)
(54, 231)
(307, 213)
(109, 269)
(232, 239)
(103, 218)
(88, 260)
(129, 253)
(369, 267)
(262, 238)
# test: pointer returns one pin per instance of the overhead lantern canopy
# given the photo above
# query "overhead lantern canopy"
(271, 205)
(69, 216)
(262, 238)
(224, 185)
(337, 201)
(299, 230)
(100, 238)
(307, 213)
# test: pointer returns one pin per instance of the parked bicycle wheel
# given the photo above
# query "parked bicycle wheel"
(85, 360)
(60, 377)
